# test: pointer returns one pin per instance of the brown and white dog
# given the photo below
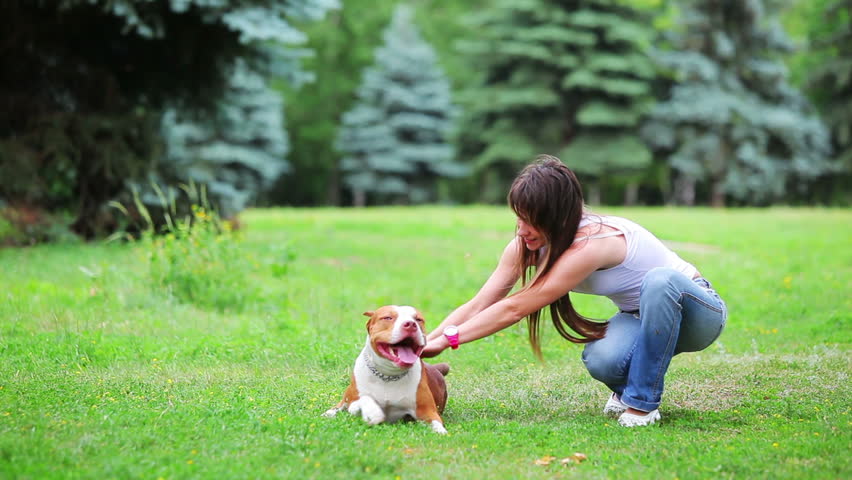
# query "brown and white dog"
(390, 381)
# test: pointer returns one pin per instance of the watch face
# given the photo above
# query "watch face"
(451, 330)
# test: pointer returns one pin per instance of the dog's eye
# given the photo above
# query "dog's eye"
(387, 318)
(419, 320)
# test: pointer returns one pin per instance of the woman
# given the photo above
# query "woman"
(665, 306)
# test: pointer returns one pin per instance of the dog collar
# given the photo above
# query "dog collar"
(384, 377)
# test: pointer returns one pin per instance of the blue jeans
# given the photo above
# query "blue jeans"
(676, 314)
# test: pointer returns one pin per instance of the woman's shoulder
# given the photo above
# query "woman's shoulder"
(595, 224)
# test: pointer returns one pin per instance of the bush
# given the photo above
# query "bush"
(197, 258)
(199, 261)
(22, 225)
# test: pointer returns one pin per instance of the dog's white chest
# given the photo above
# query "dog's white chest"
(396, 396)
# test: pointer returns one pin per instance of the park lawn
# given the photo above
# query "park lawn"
(102, 376)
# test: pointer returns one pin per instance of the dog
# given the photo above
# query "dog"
(390, 382)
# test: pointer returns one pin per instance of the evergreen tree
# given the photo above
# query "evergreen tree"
(563, 77)
(236, 153)
(830, 84)
(80, 111)
(395, 139)
(732, 121)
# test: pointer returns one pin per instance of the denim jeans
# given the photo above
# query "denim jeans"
(676, 314)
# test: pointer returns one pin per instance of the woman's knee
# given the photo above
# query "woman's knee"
(602, 364)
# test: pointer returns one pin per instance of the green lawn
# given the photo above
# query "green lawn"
(104, 377)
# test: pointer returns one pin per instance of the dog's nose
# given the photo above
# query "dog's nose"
(409, 325)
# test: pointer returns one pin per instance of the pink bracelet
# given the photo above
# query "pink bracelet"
(452, 334)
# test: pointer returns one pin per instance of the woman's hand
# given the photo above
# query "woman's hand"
(434, 347)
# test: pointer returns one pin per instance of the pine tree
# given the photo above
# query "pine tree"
(240, 151)
(732, 121)
(830, 84)
(395, 140)
(236, 153)
(563, 77)
(80, 111)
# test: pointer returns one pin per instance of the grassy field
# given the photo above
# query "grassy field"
(102, 375)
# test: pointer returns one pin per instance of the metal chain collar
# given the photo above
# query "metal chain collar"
(382, 376)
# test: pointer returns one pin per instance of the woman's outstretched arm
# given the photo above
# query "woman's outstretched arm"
(498, 285)
(570, 269)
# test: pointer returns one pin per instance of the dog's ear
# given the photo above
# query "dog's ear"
(368, 314)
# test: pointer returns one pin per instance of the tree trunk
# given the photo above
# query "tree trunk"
(717, 196)
(594, 194)
(359, 198)
(332, 192)
(684, 190)
(631, 194)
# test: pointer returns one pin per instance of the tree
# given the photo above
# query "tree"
(731, 119)
(830, 84)
(395, 138)
(80, 112)
(236, 153)
(568, 78)
(343, 43)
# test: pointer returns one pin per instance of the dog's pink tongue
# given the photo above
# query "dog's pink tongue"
(407, 355)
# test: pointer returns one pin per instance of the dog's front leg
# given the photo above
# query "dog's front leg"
(371, 412)
(349, 396)
(427, 411)
(331, 412)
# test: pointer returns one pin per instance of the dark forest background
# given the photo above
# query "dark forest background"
(330, 103)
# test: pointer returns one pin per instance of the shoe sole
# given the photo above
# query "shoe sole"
(630, 420)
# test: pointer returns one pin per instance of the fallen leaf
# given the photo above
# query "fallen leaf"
(545, 460)
(577, 457)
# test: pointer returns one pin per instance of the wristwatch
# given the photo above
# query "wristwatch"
(452, 334)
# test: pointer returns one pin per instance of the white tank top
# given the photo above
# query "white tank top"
(644, 251)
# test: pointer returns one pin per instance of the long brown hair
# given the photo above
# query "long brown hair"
(547, 196)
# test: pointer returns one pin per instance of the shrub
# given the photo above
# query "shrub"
(197, 258)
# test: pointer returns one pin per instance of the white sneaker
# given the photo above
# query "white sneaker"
(633, 420)
(614, 406)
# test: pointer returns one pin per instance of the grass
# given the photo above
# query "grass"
(102, 376)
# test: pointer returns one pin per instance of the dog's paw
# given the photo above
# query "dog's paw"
(331, 412)
(373, 418)
(438, 427)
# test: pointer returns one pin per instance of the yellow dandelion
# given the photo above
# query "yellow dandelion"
(775, 444)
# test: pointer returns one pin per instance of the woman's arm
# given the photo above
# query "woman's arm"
(496, 287)
(570, 269)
